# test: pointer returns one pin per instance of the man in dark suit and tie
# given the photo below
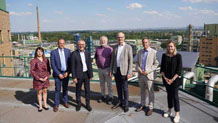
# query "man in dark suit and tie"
(60, 63)
(81, 67)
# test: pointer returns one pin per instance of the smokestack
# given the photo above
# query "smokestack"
(38, 24)
(190, 38)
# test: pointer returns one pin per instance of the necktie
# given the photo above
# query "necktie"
(63, 61)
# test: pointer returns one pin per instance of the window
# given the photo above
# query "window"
(1, 38)
(9, 35)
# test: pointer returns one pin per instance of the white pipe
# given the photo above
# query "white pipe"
(210, 85)
(187, 75)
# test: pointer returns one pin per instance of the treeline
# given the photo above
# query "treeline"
(112, 35)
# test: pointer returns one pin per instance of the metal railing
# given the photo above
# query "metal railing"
(19, 67)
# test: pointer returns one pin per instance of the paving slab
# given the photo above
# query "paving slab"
(18, 104)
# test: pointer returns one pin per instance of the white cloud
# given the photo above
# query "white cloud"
(59, 12)
(109, 9)
(201, 1)
(21, 13)
(153, 12)
(134, 6)
(46, 21)
(100, 15)
(165, 14)
(205, 12)
(186, 8)
(29, 4)
(199, 12)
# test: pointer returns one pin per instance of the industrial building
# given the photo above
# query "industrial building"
(5, 42)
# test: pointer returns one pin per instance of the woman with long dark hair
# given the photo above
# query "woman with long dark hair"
(171, 69)
(40, 70)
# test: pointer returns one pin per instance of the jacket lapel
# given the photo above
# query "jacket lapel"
(58, 55)
(140, 58)
(65, 54)
(80, 59)
(148, 57)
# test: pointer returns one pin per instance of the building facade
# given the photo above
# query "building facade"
(5, 42)
(209, 51)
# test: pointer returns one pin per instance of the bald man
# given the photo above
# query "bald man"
(121, 68)
(81, 67)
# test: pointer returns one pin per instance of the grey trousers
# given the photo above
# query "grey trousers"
(146, 90)
(105, 77)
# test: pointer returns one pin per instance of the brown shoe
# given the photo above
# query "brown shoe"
(140, 108)
(149, 113)
(66, 105)
(55, 108)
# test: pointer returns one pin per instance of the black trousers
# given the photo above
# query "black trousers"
(86, 81)
(173, 97)
(122, 87)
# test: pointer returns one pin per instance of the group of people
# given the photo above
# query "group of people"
(117, 62)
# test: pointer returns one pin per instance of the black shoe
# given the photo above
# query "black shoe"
(110, 100)
(46, 108)
(102, 99)
(78, 107)
(126, 109)
(117, 105)
(89, 108)
(39, 110)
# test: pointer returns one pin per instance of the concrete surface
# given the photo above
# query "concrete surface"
(18, 104)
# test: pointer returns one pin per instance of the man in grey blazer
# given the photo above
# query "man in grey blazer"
(121, 68)
(146, 64)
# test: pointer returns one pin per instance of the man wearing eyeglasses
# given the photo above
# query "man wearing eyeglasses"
(121, 68)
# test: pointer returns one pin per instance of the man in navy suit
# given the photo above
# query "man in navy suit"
(81, 67)
(60, 63)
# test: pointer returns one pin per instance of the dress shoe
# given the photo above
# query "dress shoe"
(140, 108)
(46, 108)
(39, 110)
(66, 105)
(89, 108)
(126, 109)
(117, 105)
(110, 100)
(55, 108)
(167, 114)
(78, 107)
(102, 99)
(149, 113)
(176, 119)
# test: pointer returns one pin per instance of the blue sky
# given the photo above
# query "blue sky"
(64, 15)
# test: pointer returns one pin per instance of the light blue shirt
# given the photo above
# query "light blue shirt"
(62, 58)
(144, 59)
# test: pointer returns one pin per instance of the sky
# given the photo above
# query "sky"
(67, 15)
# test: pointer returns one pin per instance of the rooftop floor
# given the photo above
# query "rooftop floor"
(18, 104)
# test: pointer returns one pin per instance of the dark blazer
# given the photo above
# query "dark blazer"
(56, 62)
(171, 69)
(77, 66)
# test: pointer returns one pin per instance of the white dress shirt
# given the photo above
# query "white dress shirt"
(83, 58)
(119, 53)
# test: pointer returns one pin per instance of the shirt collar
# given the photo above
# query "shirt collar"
(122, 45)
(82, 51)
(146, 49)
(61, 49)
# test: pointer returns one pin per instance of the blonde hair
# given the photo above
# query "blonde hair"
(175, 50)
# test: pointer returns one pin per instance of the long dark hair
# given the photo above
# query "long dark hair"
(39, 48)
